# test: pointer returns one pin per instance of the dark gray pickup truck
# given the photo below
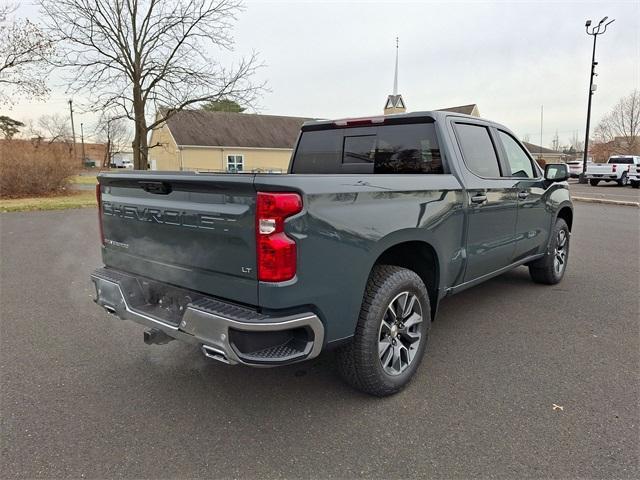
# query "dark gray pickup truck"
(378, 220)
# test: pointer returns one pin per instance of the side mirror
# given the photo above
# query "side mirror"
(556, 172)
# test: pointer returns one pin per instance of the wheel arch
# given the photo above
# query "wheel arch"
(566, 213)
(420, 257)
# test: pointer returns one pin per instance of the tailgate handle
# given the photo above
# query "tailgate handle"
(159, 188)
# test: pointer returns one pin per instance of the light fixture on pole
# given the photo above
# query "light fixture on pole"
(599, 29)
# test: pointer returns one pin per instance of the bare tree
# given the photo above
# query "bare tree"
(145, 56)
(24, 50)
(575, 143)
(114, 132)
(52, 128)
(555, 143)
(621, 125)
(7, 9)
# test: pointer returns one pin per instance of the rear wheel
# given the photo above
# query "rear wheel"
(593, 182)
(624, 180)
(635, 183)
(550, 269)
(391, 334)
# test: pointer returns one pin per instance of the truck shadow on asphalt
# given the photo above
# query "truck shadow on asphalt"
(195, 379)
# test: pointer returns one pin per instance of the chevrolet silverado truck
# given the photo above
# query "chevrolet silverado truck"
(616, 169)
(377, 220)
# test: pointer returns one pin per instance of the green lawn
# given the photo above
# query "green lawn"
(61, 202)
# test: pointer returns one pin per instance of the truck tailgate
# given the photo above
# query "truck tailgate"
(604, 169)
(195, 231)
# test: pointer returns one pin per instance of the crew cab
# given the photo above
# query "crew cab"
(616, 169)
(377, 220)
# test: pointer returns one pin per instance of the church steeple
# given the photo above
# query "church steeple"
(395, 103)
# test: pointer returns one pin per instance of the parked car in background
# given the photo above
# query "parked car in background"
(122, 163)
(634, 175)
(379, 219)
(575, 168)
(615, 170)
(122, 160)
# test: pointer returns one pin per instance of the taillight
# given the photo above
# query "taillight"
(276, 252)
(613, 167)
(99, 200)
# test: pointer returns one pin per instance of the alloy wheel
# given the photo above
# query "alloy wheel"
(560, 253)
(400, 333)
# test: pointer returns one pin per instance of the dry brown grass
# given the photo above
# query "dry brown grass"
(34, 168)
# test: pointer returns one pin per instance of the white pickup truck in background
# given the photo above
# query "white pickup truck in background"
(634, 175)
(617, 169)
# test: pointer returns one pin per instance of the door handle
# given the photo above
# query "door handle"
(159, 188)
(523, 195)
(479, 198)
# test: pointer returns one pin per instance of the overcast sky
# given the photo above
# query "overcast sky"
(335, 59)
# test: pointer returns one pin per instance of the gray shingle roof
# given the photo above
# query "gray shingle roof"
(228, 129)
(464, 109)
(533, 149)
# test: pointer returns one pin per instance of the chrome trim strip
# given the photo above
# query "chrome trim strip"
(212, 331)
(127, 308)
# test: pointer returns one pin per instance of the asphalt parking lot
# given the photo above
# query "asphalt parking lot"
(606, 190)
(83, 396)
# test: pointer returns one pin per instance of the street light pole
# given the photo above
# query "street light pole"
(82, 137)
(595, 31)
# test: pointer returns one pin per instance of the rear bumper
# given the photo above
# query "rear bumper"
(227, 332)
(600, 176)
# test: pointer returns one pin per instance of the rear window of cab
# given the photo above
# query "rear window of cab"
(385, 149)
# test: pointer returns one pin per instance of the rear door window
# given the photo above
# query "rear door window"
(478, 151)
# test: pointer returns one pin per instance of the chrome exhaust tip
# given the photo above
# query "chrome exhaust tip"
(109, 309)
(211, 352)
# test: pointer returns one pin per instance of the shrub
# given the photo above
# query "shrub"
(32, 168)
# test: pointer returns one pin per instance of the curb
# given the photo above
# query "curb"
(606, 201)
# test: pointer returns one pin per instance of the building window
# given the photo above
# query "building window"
(235, 163)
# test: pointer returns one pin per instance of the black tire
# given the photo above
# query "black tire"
(624, 179)
(635, 184)
(593, 182)
(360, 362)
(545, 270)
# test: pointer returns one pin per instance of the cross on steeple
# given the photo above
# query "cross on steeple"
(395, 103)
(395, 76)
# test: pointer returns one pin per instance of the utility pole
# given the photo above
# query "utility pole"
(82, 139)
(541, 119)
(73, 128)
(595, 31)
